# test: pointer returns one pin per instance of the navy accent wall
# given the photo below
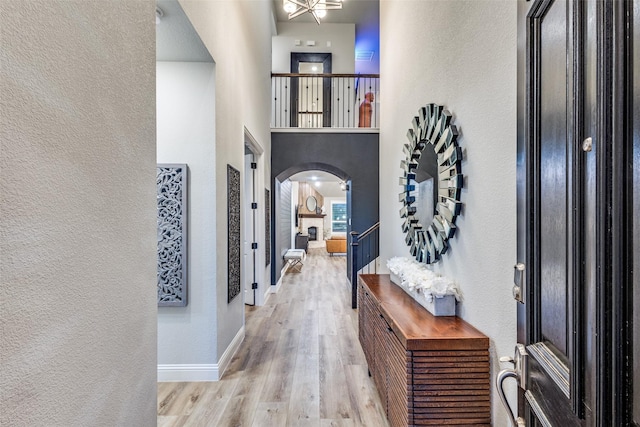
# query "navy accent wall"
(354, 157)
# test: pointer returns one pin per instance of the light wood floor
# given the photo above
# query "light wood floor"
(300, 364)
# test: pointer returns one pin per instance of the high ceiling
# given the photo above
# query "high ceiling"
(365, 14)
(178, 41)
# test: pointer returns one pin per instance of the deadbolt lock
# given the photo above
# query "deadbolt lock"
(518, 283)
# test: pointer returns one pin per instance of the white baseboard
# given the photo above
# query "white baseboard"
(201, 372)
(187, 372)
(228, 354)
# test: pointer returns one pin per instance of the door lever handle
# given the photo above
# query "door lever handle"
(519, 373)
(503, 375)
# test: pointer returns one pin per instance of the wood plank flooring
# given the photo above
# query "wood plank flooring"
(300, 364)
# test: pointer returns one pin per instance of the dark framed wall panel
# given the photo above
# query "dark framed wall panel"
(267, 226)
(233, 233)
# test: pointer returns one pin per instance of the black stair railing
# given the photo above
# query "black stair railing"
(365, 250)
(324, 100)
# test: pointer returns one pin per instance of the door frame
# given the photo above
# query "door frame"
(252, 220)
(622, 241)
(320, 58)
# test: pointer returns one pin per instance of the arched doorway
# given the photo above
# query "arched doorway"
(319, 202)
(294, 216)
(354, 157)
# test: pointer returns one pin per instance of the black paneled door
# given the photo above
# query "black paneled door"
(574, 281)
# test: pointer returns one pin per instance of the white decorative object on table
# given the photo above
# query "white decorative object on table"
(436, 293)
(395, 278)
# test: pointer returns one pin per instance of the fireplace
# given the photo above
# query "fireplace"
(313, 233)
(309, 224)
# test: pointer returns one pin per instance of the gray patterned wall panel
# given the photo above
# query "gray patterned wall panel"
(171, 180)
(233, 233)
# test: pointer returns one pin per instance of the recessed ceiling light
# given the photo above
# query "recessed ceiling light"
(318, 183)
(314, 178)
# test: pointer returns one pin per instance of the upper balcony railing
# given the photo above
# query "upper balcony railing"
(325, 100)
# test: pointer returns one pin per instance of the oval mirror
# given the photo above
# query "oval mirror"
(311, 204)
(431, 183)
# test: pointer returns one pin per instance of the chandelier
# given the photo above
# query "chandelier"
(317, 8)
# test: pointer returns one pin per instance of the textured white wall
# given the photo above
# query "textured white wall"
(341, 36)
(186, 134)
(238, 36)
(78, 212)
(461, 54)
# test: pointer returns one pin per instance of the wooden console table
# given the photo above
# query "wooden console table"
(428, 370)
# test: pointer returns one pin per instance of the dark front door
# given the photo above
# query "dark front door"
(574, 277)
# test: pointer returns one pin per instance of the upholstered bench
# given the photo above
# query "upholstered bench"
(296, 256)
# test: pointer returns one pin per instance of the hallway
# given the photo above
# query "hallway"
(300, 364)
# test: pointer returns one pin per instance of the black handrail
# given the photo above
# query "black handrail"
(332, 75)
(368, 253)
(368, 231)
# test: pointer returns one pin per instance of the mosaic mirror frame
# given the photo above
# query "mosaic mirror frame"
(431, 129)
